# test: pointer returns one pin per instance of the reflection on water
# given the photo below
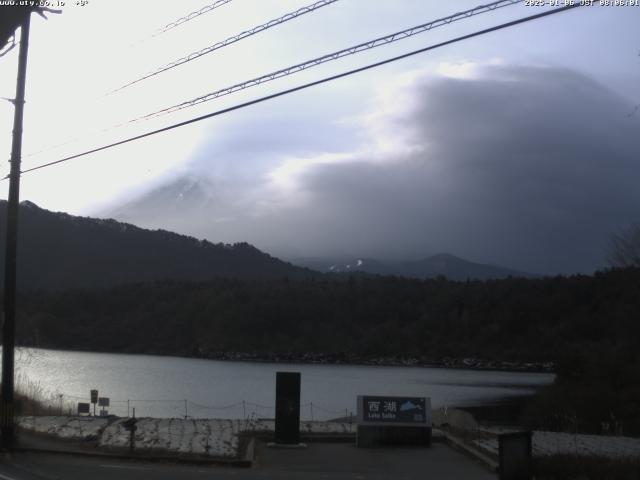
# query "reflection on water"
(175, 387)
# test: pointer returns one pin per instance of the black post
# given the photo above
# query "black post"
(515, 454)
(8, 327)
(130, 425)
(287, 408)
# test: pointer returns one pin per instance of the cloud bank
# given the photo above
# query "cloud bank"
(527, 166)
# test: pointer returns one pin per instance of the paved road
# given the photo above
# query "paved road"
(346, 462)
(318, 462)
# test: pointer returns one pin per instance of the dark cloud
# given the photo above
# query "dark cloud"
(528, 167)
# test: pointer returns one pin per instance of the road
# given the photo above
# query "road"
(318, 462)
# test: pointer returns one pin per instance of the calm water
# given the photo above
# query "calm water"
(165, 386)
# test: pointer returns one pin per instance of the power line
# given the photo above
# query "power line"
(233, 39)
(193, 56)
(394, 37)
(11, 43)
(191, 16)
(333, 56)
(308, 85)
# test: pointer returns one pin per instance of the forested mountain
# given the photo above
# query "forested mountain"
(511, 319)
(450, 266)
(587, 325)
(235, 298)
(58, 251)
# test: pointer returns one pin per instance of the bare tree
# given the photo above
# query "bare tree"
(624, 247)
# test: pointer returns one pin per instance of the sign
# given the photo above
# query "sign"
(103, 401)
(83, 408)
(94, 396)
(402, 411)
(386, 420)
(104, 413)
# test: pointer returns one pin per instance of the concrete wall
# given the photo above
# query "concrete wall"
(369, 436)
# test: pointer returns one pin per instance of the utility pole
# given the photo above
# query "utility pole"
(7, 426)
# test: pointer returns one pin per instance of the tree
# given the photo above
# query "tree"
(624, 247)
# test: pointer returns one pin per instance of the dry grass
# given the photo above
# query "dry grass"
(30, 398)
(25, 405)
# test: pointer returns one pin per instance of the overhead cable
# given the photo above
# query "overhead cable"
(191, 16)
(228, 41)
(394, 37)
(307, 85)
(387, 39)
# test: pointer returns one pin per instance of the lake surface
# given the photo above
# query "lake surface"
(167, 386)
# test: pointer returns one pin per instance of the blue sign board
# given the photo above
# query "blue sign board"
(385, 410)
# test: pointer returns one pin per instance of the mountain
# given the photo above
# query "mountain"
(57, 251)
(346, 265)
(452, 267)
(185, 196)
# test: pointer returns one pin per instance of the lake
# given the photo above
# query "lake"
(162, 386)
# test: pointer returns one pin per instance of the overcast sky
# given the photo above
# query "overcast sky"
(518, 148)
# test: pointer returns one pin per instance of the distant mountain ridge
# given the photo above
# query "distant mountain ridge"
(452, 267)
(57, 250)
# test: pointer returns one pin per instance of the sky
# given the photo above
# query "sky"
(518, 148)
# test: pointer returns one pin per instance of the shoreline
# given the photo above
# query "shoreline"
(459, 363)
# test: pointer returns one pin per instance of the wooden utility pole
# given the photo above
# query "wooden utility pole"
(7, 426)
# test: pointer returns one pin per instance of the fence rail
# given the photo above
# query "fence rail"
(62, 403)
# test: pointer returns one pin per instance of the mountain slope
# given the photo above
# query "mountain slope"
(456, 268)
(181, 198)
(57, 250)
(452, 267)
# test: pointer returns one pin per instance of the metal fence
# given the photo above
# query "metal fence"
(66, 404)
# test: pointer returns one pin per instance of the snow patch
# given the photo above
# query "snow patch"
(71, 428)
(554, 443)
(218, 438)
